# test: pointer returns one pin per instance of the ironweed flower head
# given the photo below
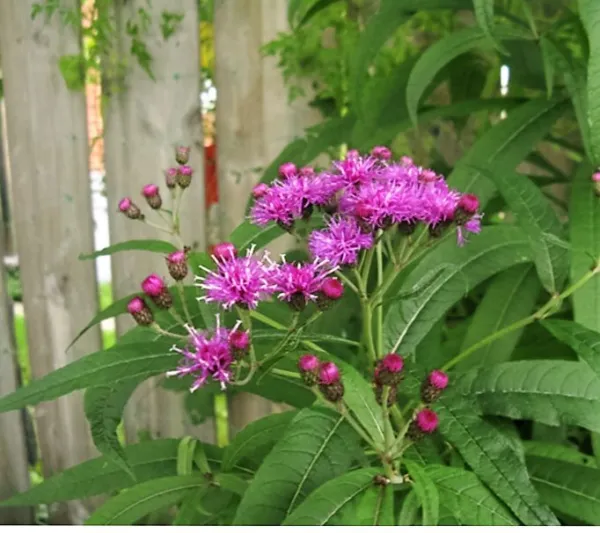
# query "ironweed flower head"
(223, 251)
(287, 170)
(427, 420)
(177, 265)
(259, 190)
(309, 364)
(330, 382)
(382, 152)
(140, 312)
(130, 209)
(153, 285)
(184, 176)
(152, 195)
(433, 386)
(182, 154)
(171, 177)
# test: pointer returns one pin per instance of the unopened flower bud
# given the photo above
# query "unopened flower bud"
(140, 312)
(184, 176)
(469, 203)
(171, 177)
(331, 291)
(240, 344)
(382, 152)
(155, 288)
(307, 172)
(177, 265)
(287, 170)
(432, 387)
(352, 154)
(223, 251)
(182, 154)
(596, 180)
(330, 382)
(407, 161)
(130, 210)
(259, 190)
(389, 370)
(308, 364)
(152, 195)
(426, 422)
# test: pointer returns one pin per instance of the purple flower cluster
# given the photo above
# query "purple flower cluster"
(210, 355)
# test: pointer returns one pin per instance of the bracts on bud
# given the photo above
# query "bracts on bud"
(182, 154)
(330, 382)
(308, 365)
(389, 370)
(130, 210)
(155, 288)
(432, 387)
(184, 176)
(331, 291)
(171, 177)
(425, 423)
(140, 312)
(152, 195)
(177, 265)
(392, 394)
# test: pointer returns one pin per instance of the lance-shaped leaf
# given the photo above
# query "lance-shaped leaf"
(426, 491)
(145, 245)
(584, 341)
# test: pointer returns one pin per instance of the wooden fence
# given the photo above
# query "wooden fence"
(47, 162)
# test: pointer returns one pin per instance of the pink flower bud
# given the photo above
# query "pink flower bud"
(153, 285)
(125, 204)
(151, 193)
(287, 169)
(239, 340)
(352, 154)
(428, 176)
(308, 363)
(329, 373)
(184, 176)
(140, 312)
(129, 209)
(596, 177)
(392, 363)
(332, 288)
(182, 154)
(363, 211)
(224, 251)
(307, 172)
(469, 203)
(407, 161)
(382, 152)
(136, 305)
(438, 379)
(427, 420)
(259, 190)
(177, 265)
(171, 177)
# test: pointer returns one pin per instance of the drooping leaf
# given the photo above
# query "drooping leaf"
(317, 447)
(469, 500)
(484, 14)
(140, 500)
(510, 297)
(145, 245)
(255, 436)
(406, 323)
(426, 491)
(331, 498)
(505, 145)
(375, 507)
(247, 234)
(584, 225)
(409, 510)
(104, 408)
(492, 457)
(551, 392)
(571, 489)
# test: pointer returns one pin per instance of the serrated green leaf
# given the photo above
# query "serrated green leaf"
(556, 451)
(317, 447)
(496, 249)
(468, 499)
(584, 225)
(492, 457)
(409, 510)
(116, 365)
(537, 218)
(567, 487)
(145, 245)
(231, 482)
(331, 498)
(510, 297)
(104, 408)
(133, 504)
(255, 436)
(551, 392)
(589, 11)
(426, 491)
(505, 145)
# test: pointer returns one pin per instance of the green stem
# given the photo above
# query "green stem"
(162, 331)
(247, 323)
(356, 425)
(186, 311)
(379, 308)
(367, 312)
(267, 320)
(286, 373)
(158, 227)
(389, 432)
(221, 419)
(347, 281)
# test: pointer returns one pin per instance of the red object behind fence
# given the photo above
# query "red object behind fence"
(210, 174)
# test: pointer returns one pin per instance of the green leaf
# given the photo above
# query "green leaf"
(329, 499)
(484, 14)
(133, 504)
(317, 447)
(121, 363)
(468, 499)
(104, 408)
(510, 297)
(505, 145)
(426, 491)
(319, 5)
(571, 489)
(589, 11)
(496, 249)
(231, 483)
(584, 341)
(247, 234)
(551, 392)
(537, 219)
(584, 224)
(146, 245)
(256, 436)
(185, 456)
(410, 510)
(375, 507)
(490, 454)
(548, 65)
(73, 68)
(556, 451)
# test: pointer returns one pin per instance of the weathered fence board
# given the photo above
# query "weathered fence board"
(144, 120)
(47, 136)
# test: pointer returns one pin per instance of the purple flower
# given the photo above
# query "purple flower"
(242, 281)
(207, 355)
(278, 204)
(472, 226)
(340, 243)
(355, 169)
(427, 420)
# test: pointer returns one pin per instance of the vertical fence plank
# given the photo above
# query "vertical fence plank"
(254, 122)
(49, 165)
(14, 473)
(144, 120)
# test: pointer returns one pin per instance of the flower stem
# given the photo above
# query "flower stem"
(247, 323)
(347, 281)
(157, 226)
(285, 373)
(162, 331)
(356, 425)
(389, 432)
(186, 311)
(379, 307)
(221, 419)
